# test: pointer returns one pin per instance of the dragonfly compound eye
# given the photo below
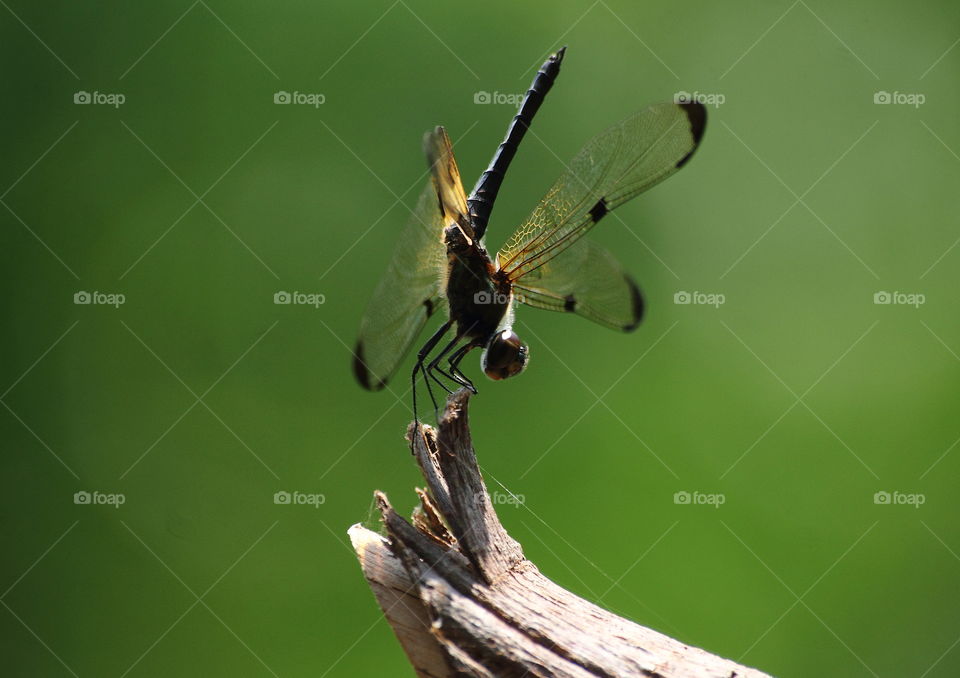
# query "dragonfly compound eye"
(505, 355)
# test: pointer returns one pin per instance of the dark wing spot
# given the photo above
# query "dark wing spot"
(636, 299)
(598, 211)
(428, 303)
(697, 116)
(569, 303)
(361, 372)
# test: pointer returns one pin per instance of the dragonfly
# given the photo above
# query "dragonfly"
(442, 266)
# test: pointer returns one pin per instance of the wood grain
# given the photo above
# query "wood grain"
(463, 601)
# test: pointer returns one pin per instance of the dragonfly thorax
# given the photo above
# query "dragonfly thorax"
(459, 237)
(478, 303)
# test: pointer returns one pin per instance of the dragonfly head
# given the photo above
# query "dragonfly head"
(504, 355)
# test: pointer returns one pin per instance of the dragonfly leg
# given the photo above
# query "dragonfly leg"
(434, 367)
(452, 377)
(419, 366)
(432, 372)
(454, 363)
(433, 398)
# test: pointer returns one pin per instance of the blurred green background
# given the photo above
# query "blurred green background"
(198, 199)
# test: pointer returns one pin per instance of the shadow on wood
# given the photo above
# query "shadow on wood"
(463, 601)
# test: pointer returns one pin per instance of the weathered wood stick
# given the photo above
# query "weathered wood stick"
(463, 601)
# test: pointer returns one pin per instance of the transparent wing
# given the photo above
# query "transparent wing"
(411, 289)
(620, 163)
(587, 280)
(408, 294)
(446, 175)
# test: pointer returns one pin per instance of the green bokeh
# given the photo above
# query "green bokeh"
(199, 398)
